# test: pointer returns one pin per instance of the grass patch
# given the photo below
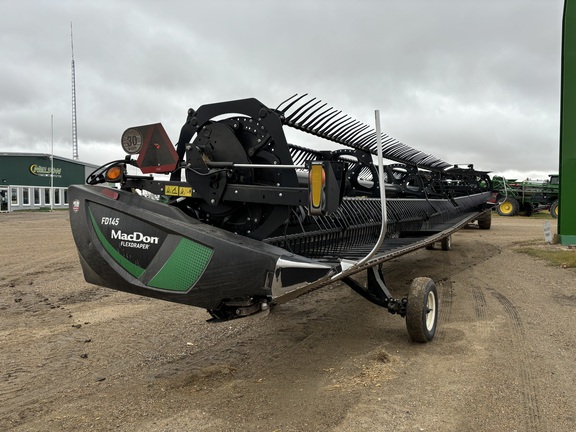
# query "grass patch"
(532, 243)
(564, 258)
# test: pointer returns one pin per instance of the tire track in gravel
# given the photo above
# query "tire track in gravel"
(445, 288)
(453, 266)
(446, 294)
(518, 354)
(529, 388)
(479, 302)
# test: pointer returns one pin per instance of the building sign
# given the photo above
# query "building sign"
(43, 171)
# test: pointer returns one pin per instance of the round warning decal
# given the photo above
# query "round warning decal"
(132, 141)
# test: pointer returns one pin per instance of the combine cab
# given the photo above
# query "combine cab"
(241, 220)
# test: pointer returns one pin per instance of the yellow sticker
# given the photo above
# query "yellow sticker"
(185, 191)
(171, 190)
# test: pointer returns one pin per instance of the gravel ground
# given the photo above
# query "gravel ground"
(79, 357)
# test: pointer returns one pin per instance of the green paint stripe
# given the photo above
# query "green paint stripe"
(127, 265)
(184, 267)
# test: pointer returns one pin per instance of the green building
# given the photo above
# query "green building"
(26, 182)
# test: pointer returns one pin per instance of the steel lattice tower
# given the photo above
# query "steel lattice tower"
(74, 130)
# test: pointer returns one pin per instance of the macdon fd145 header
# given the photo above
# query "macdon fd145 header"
(240, 220)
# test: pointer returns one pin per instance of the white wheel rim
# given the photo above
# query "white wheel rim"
(431, 314)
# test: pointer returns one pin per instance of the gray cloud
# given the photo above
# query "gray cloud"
(468, 81)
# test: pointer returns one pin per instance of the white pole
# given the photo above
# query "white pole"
(382, 192)
(382, 186)
(52, 164)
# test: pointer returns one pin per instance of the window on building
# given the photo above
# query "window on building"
(57, 196)
(26, 196)
(15, 200)
(36, 196)
(65, 196)
(47, 196)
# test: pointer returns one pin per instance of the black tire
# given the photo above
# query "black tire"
(554, 209)
(446, 243)
(485, 220)
(508, 207)
(528, 209)
(422, 310)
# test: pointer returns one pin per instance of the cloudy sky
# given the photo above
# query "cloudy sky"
(468, 81)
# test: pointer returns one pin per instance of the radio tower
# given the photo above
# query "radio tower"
(74, 131)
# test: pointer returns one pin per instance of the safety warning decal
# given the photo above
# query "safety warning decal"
(175, 190)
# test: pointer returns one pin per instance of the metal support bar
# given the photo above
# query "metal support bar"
(376, 283)
(377, 292)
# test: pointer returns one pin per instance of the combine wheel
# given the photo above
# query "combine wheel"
(422, 310)
(509, 207)
(447, 243)
(554, 209)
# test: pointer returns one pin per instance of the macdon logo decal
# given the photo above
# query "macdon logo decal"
(134, 240)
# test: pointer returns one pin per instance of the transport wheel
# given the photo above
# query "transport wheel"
(508, 208)
(422, 310)
(447, 243)
(485, 221)
(554, 209)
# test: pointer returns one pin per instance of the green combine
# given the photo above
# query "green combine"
(515, 196)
